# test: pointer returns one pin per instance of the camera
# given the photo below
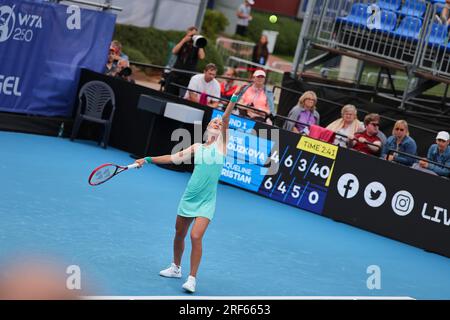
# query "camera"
(199, 41)
(125, 72)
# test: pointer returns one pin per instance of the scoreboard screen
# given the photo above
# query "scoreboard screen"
(295, 169)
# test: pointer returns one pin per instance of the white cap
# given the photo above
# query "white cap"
(443, 135)
(259, 73)
(251, 2)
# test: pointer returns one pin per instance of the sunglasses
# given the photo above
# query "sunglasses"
(375, 124)
(399, 129)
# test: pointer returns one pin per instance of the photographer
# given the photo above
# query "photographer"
(188, 53)
(123, 71)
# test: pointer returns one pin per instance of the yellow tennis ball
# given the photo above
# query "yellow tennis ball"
(273, 18)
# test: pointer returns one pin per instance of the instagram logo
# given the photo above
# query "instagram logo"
(402, 203)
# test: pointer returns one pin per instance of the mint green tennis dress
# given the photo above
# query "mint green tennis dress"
(199, 198)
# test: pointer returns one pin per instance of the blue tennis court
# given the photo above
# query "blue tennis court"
(120, 233)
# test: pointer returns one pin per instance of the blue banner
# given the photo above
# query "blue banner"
(42, 48)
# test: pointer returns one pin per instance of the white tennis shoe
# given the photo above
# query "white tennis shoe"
(189, 285)
(171, 272)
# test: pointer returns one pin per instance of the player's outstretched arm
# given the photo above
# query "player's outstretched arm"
(176, 158)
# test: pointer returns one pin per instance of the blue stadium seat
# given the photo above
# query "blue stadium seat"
(388, 20)
(409, 27)
(392, 5)
(438, 34)
(358, 15)
(415, 8)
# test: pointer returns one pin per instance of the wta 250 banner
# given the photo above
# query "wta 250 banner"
(42, 48)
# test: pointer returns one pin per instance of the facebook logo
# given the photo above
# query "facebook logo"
(348, 185)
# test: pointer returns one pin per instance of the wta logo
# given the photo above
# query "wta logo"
(7, 22)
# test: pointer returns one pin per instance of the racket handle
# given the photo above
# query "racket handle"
(133, 166)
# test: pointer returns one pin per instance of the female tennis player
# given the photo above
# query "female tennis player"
(199, 199)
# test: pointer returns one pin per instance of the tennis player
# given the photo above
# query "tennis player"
(199, 199)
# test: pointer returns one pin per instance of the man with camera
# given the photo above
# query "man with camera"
(123, 71)
(188, 51)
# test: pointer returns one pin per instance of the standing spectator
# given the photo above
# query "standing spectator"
(304, 112)
(261, 51)
(440, 153)
(400, 141)
(257, 96)
(207, 85)
(228, 86)
(187, 59)
(118, 46)
(244, 17)
(370, 135)
(346, 126)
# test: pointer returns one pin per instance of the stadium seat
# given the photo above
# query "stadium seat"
(388, 20)
(414, 8)
(358, 15)
(392, 5)
(438, 34)
(93, 99)
(409, 27)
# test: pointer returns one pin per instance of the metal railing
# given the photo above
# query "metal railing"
(408, 36)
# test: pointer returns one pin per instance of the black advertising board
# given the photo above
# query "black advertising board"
(392, 200)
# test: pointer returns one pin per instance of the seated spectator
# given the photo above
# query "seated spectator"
(369, 135)
(400, 141)
(118, 47)
(444, 18)
(257, 96)
(228, 86)
(123, 71)
(207, 85)
(111, 64)
(440, 153)
(346, 127)
(304, 112)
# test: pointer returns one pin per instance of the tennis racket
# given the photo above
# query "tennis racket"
(106, 171)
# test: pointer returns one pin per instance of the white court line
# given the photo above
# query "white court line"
(246, 298)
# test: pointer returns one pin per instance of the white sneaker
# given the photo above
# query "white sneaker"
(171, 272)
(189, 285)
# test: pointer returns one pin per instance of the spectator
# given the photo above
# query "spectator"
(346, 127)
(207, 85)
(228, 86)
(123, 71)
(370, 135)
(187, 59)
(444, 18)
(111, 64)
(304, 112)
(261, 51)
(244, 17)
(440, 153)
(257, 96)
(118, 46)
(400, 141)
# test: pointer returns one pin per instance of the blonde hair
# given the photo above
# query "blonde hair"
(305, 96)
(402, 122)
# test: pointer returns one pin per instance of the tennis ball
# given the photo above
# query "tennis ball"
(273, 18)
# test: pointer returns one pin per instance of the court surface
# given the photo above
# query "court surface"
(120, 233)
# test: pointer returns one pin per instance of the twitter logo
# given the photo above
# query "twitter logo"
(375, 194)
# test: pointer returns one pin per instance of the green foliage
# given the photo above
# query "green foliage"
(214, 23)
(150, 45)
(288, 31)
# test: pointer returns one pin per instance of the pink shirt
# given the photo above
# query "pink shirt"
(258, 98)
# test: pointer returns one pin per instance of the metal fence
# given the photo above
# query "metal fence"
(405, 32)
(230, 47)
